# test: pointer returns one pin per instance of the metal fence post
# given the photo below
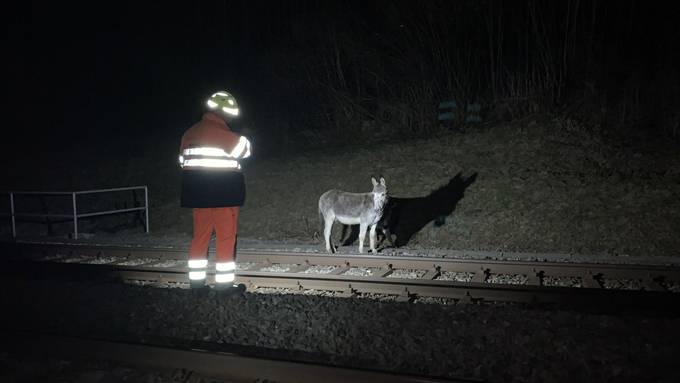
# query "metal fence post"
(11, 203)
(146, 206)
(75, 217)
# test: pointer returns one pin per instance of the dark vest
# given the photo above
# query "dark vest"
(203, 188)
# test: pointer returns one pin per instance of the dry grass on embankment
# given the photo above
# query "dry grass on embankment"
(540, 186)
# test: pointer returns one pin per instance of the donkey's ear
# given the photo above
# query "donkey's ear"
(382, 181)
(374, 181)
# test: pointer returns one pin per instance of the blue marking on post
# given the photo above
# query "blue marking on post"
(447, 110)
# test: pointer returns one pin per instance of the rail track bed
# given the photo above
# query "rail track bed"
(405, 278)
(197, 361)
(75, 290)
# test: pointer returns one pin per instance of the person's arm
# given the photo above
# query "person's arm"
(182, 145)
(246, 153)
(241, 150)
(248, 148)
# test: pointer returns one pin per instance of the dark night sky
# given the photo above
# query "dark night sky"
(89, 70)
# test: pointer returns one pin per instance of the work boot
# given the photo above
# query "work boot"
(196, 284)
(230, 287)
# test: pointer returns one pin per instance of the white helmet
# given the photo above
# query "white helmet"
(223, 102)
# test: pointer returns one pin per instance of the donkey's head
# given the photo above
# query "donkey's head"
(379, 188)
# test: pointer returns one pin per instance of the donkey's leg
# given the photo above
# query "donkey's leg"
(362, 235)
(371, 238)
(388, 235)
(328, 225)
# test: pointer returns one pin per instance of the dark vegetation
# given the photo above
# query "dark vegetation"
(340, 72)
(316, 74)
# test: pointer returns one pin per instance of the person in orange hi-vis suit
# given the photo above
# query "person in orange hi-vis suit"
(213, 186)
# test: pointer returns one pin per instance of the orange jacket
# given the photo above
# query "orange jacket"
(218, 182)
(212, 131)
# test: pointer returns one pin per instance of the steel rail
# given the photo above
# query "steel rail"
(347, 285)
(231, 365)
(592, 274)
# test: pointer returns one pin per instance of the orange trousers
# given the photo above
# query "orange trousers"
(223, 221)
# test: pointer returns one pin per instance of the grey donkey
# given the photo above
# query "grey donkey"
(347, 208)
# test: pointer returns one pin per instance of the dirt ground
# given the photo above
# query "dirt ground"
(537, 185)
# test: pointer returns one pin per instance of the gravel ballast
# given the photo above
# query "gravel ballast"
(498, 343)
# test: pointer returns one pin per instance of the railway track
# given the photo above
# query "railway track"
(199, 362)
(407, 278)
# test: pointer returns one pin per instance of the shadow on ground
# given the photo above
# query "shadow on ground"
(404, 217)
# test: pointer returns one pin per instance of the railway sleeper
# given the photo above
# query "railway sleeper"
(432, 273)
(481, 276)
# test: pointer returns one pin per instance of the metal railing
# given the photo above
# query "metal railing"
(74, 215)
